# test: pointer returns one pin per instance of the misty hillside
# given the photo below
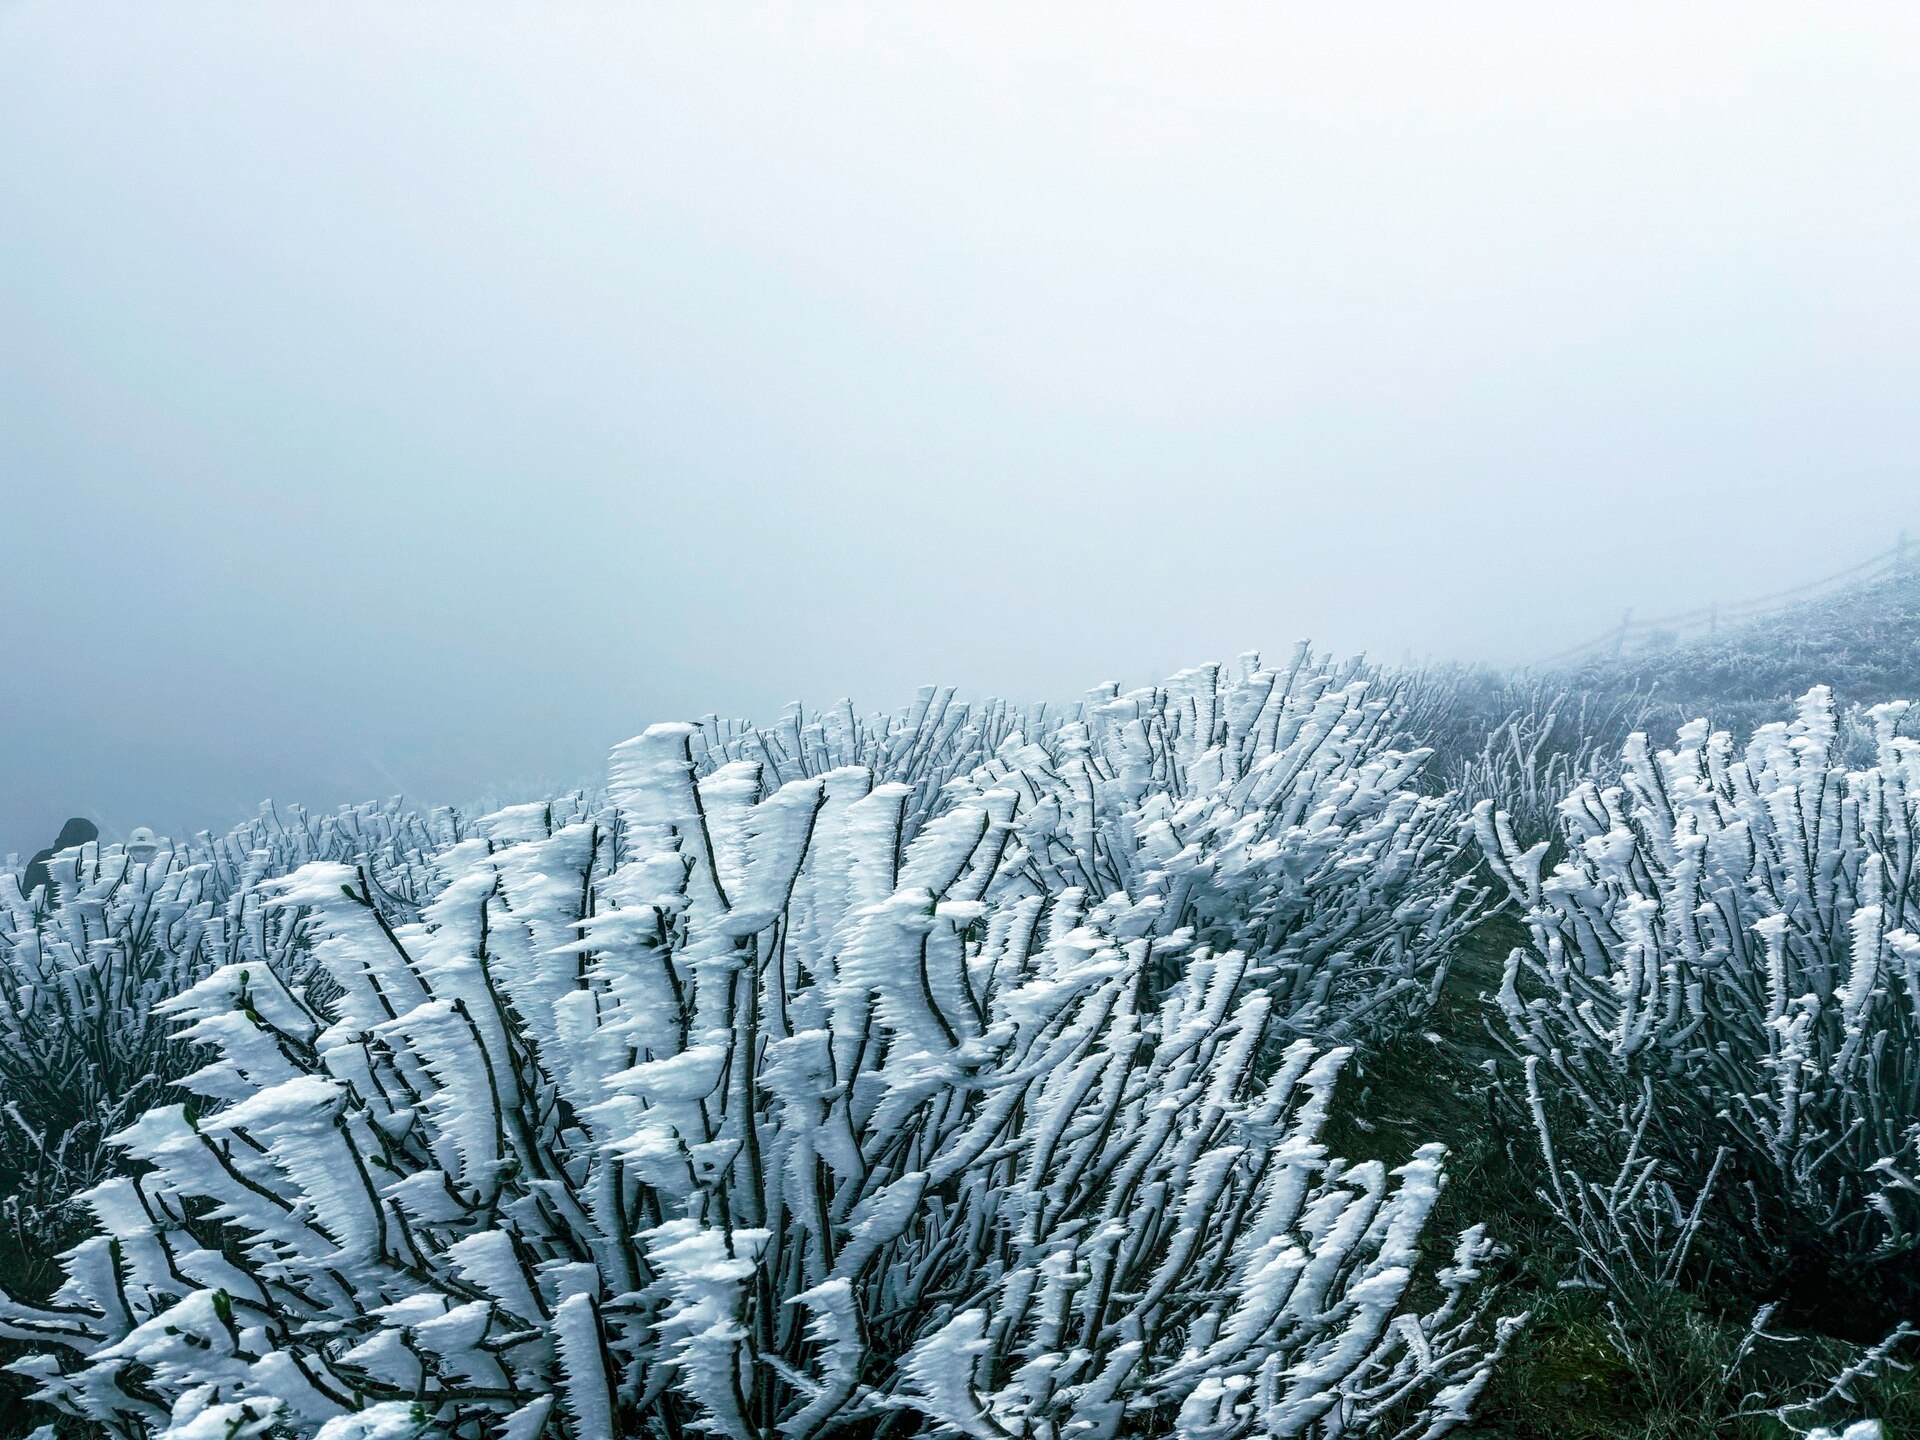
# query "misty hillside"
(1177, 723)
(1863, 640)
(1270, 1052)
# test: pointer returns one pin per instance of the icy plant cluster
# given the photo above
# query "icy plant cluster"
(1267, 810)
(1536, 757)
(1523, 744)
(836, 1079)
(87, 961)
(1724, 974)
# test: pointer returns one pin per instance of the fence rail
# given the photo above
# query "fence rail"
(1707, 619)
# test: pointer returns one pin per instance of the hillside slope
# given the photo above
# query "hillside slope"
(1864, 641)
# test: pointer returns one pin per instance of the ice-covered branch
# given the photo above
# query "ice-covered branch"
(965, 1073)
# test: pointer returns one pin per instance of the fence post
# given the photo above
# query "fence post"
(1620, 640)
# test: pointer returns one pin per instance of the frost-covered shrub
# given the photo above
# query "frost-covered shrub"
(813, 1107)
(1269, 810)
(1731, 943)
(1523, 744)
(88, 961)
(82, 1050)
(390, 842)
(1533, 759)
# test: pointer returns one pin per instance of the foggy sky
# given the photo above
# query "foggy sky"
(424, 398)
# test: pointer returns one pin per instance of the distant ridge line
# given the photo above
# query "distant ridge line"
(1709, 617)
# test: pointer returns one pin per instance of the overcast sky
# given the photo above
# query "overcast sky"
(422, 398)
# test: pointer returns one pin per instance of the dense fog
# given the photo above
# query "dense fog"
(394, 404)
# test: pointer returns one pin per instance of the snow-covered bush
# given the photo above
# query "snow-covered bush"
(1523, 744)
(1533, 759)
(81, 1049)
(1269, 810)
(392, 843)
(776, 1099)
(1727, 966)
(87, 962)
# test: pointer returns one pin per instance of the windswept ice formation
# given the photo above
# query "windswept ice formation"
(961, 1073)
(1727, 961)
(87, 964)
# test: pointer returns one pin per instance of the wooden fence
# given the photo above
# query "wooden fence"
(1707, 619)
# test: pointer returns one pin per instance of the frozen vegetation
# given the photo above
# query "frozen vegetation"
(1001, 1071)
(1725, 971)
(1862, 641)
